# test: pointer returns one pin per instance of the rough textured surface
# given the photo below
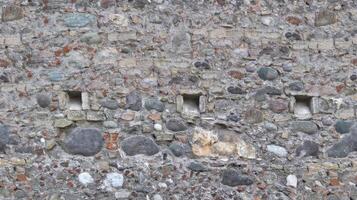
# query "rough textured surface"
(193, 99)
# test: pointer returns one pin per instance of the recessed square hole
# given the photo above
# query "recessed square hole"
(75, 100)
(191, 104)
(303, 107)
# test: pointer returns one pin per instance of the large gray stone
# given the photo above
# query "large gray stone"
(154, 103)
(135, 145)
(325, 17)
(83, 141)
(233, 178)
(134, 101)
(307, 127)
(109, 103)
(43, 100)
(176, 125)
(345, 146)
(343, 126)
(268, 73)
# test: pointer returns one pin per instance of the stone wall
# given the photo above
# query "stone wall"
(178, 99)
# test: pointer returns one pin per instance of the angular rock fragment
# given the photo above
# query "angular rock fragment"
(83, 141)
(233, 178)
(135, 145)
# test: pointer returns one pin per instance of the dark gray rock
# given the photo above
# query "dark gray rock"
(343, 126)
(236, 90)
(308, 148)
(43, 100)
(4, 137)
(297, 86)
(154, 103)
(134, 101)
(176, 125)
(202, 65)
(177, 149)
(109, 103)
(139, 145)
(234, 117)
(267, 73)
(197, 167)
(233, 178)
(292, 36)
(83, 141)
(345, 146)
(307, 127)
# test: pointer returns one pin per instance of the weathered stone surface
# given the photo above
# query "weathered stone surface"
(233, 178)
(278, 105)
(83, 141)
(134, 101)
(179, 149)
(308, 148)
(343, 126)
(62, 123)
(43, 100)
(325, 17)
(74, 20)
(345, 146)
(176, 125)
(135, 145)
(304, 126)
(296, 86)
(267, 73)
(85, 178)
(277, 150)
(91, 38)
(4, 137)
(154, 103)
(254, 116)
(291, 180)
(206, 143)
(11, 13)
(109, 103)
(114, 180)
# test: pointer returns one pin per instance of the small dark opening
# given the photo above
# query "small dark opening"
(75, 100)
(191, 103)
(302, 108)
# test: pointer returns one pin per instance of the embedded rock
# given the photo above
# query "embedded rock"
(233, 178)
(83, 141)
(135, 145)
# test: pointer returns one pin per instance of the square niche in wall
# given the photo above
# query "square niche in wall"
(191, 104)
(74, 100)
(303, 106)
